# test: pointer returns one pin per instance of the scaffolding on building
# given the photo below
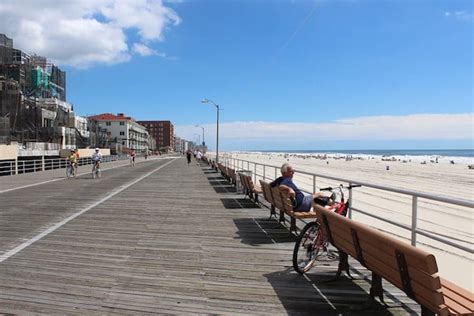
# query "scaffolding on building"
(33, 105)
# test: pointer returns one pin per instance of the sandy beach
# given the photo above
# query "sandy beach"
(451, 180)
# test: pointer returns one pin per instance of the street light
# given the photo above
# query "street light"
(217, 134)
(203, 143)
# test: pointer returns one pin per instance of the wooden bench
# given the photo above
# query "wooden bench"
(411, 269)
(267, 195)
(231, 175)
(250, 188)
(227, 173)
(288, 209)
(278, 199)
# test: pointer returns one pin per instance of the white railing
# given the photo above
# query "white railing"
(12, 167)
(309, 182)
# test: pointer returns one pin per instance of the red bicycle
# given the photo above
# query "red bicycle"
(311, 243)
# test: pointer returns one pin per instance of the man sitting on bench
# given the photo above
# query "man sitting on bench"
(301, 202)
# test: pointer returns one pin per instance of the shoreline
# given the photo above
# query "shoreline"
(354, 155)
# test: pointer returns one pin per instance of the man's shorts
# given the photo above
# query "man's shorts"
(305, 205)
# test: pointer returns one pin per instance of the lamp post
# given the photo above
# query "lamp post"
(203, 143)
(217, 134)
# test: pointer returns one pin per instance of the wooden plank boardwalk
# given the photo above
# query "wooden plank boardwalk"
(160, 237)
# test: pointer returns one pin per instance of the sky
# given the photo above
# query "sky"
(297, 75)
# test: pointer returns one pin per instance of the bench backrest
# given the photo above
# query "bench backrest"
(244, 181)
(231, 173)
(409, 268)
(287, 203)
(278, 203)
(267, 191)
(221, 167)
(249, 182)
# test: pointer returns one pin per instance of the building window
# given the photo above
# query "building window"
(108, 123)
(122, 123)
(122, 133)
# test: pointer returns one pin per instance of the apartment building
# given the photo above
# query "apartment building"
(161, 131)
(123, 131)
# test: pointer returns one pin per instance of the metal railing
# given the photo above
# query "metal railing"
(12, 167)
(308, 180)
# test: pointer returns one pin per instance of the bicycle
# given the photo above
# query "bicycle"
(96, 173)
(71, 170)
(312, 242)
(132, 161)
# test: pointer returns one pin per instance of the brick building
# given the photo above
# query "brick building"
(162, 131)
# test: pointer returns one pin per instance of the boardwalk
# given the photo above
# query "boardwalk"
(160, 237)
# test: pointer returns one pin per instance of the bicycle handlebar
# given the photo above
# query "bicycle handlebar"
(342, 187)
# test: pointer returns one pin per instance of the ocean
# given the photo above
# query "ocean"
(386, 152)
(456, 156)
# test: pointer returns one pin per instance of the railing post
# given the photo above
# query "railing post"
(34, 165)
(264, 173)
(16, 166)
(42, 163)
(349, 209)
(254, 173)
(314, 183)
(276, 172)
(414, 215)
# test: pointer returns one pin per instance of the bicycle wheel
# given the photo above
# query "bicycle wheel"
(306, 248)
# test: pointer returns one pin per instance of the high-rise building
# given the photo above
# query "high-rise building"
(33, 105)
(162, 131)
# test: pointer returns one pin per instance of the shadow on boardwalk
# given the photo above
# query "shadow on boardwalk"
(301, 295)
(231, 203)
(258, 231)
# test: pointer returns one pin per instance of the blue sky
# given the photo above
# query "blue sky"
(287, 74)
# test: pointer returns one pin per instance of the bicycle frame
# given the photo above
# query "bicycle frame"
(312, 238)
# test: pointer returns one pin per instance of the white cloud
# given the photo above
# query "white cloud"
(143, 50)
(409, 127)
(81, 32)
(460, 15)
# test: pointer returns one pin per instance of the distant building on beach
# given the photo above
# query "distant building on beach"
(161, 131)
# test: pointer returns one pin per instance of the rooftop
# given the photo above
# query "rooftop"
(111, 117)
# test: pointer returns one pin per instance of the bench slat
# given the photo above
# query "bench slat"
(458, 299)
(457, 306)
(458, 290)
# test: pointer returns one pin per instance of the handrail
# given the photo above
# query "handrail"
(12, 167)
(240, 163)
